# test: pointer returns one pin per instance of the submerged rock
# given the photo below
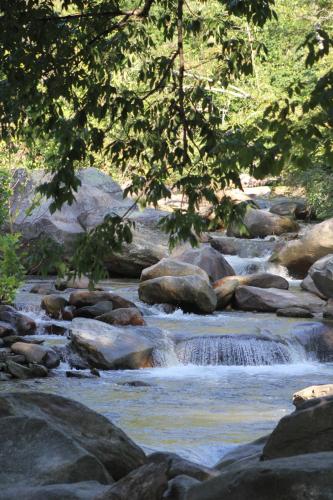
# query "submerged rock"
(191, 293)
(110, 348)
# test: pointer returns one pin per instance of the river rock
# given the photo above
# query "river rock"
(306, 477)
(177, 466)
(249, 453)
(111, 453)
(225, 292)
(291, 208)
(250, 298)
(145, 483)
(315, 391)
(259, 280)
(25, 372)
(294, 312)
(328, 309)
(108, 347)
(37, 354)
(93, 311)
(260, 223)
(83, 298)
(210, 260)
(191, 293)
(84, 490)
(54, 305)
(172, 267)
(6, 329)
(21, 322)
(321, 273)
(299, 255)
(178, 487)
(42, 289)
(316, 338)
(309, 286)
(125, 316)
(307, 430)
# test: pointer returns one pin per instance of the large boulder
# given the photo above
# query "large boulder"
(97, 196)
(225, 291)
(50, 439)
(208, 259)
(308, 429)
(172, 267)
(85, 298)
(321, 273)
(260, 223)
(110, 348)
(250, 298)
(306, 477)
(191, 293)
(299, 255)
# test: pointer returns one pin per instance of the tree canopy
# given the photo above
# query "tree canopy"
(148, 87)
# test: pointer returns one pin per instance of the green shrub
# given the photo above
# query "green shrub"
(11, 270)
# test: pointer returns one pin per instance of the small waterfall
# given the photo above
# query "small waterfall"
(239, 351)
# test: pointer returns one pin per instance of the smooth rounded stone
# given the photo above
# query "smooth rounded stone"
(11, 339)
(172, 267)
(307, 430)
(25, 372)
(85, 490)
(123, 317)
(292, 208)
(328, 309)
(37, 354)
(249, 452)
(306, 477)
(94, 434)
(250, 298)
(224, 246)
(42, 454)
(82, 298)
(260, 223)
(299, 255)
(108, 347)
(309, 286)
(20, 322)
(177, 465)
(42, 289)
(93, 311)
(6, 329)
(145, 483)
(294, 312)
(312, 392)
(259, 280)
(208, 259)
(190, 293)
(321, 273)
(179, 487)
(225, 292)
(54, 305)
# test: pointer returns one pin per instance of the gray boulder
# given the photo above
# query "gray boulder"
(249, 453)
(210, 260)
(291, 208)
(299, 255)
(95, 310)
(172, 267)
(309, 286)
(306, 477)
(37, 354)
(76, 431)
(321, 273)
(85, 490)
(85, 298)
(250, 298)
(191, 293)
(294, 312)
(260, 223)
(309, 429)
(108, 347)
(22, 323)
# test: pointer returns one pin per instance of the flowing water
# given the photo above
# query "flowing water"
(219, 380)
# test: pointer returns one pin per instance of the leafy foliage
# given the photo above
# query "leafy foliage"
(11, 270)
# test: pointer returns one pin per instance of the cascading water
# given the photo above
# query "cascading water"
(235, 350)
